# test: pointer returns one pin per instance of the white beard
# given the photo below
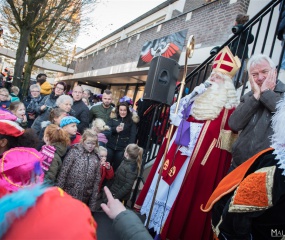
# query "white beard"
(209, 105)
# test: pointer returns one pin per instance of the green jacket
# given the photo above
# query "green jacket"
(55, 166)
(99, 111)
(124, 179)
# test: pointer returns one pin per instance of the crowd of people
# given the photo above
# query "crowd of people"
(219, 174)
(56, 139)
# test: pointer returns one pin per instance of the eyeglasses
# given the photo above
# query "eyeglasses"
(3, 95)
(35, 91)
(62, 89)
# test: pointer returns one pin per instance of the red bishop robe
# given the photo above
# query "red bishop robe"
(208, 165)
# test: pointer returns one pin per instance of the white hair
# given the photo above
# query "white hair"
(99, 125)
(63, 98)
(35, 86)
(257, 59)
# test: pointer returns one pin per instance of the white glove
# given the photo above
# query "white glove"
(175, 119)
(200, 89)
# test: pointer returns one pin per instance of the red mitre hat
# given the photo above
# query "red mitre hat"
(226, 63)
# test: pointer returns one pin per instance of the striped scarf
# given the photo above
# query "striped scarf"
(48, 153)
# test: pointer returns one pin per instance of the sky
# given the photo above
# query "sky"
(109, 15)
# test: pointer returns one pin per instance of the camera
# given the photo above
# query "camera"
(237, 29)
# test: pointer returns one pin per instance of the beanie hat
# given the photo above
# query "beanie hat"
(10, 128)
(68, 120)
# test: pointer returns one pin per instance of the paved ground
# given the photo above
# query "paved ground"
(104, 226)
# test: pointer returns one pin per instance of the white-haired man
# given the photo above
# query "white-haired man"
(198, 157)
(249, 203)
(253, 115)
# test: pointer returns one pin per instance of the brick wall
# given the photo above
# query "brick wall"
(211, 26)
(192, 4)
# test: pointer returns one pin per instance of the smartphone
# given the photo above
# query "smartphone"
(122, 125)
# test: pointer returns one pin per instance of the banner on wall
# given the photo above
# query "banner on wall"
(169, 46)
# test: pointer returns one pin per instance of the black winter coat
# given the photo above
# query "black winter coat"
(118, 141)
(82, 114)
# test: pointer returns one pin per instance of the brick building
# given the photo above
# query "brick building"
(112, 61)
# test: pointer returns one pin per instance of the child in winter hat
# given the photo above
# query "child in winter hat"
(69, 124)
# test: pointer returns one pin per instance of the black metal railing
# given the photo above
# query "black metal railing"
(263, 19)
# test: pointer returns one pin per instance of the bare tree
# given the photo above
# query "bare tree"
(52, 34)
(40, 24)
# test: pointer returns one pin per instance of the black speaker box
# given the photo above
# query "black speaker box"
(161, 80)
